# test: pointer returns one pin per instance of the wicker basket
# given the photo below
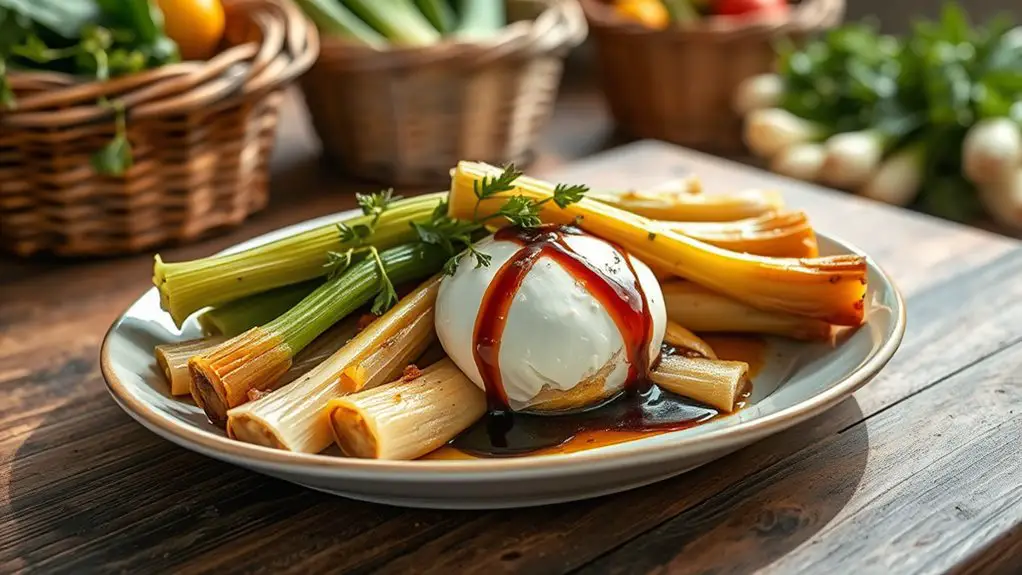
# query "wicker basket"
(201, 135)
(677, 84)
(406, 116)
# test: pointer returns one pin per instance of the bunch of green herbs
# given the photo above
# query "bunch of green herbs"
(93, 39)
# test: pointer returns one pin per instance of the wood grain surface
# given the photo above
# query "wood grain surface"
(919, 472)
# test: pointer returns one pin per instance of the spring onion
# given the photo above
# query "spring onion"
(992, 151)
(800, 161)
(852, 158)
(899, 178)
(758, 92)
(222, 377)
(770, 130)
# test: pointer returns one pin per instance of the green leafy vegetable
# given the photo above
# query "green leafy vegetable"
(97, 39)
(929, 87)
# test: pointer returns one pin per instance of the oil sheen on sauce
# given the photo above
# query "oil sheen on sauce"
(641, 409)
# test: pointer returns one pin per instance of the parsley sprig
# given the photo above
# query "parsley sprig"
(338, 262)
(457, 236)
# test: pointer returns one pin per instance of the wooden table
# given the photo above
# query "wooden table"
(920, 472)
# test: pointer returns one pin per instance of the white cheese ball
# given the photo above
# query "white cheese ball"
(560, 348)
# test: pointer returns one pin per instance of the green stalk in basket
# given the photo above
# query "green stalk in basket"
(333, 18)
(186, 287)
(681, 10)
(398, 20)
(439, 13)
(237, 316)
(480, 18)
(223, 376)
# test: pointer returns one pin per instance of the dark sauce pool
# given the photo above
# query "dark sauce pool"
(642, 409)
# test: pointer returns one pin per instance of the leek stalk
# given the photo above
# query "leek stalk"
(241, 315)
(831, 289)
(334, 19)
(186, 287)
(222, 377)
(398, 20)
(407, 419)
(480, 18)
(293, 417)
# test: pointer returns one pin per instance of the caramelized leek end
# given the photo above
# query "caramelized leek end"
(831, 289)
(777, 234)
(705, 311)
(685, 206)
(407, 419)
(716, 383)
(173, 360)
(293, 417)
(223, 376)
(391, 357)
(687, 343)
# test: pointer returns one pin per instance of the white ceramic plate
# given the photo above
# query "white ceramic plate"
(797, 382)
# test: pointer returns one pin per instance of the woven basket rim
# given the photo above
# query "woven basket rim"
(286, 46)
(806, 17)
(559, 27)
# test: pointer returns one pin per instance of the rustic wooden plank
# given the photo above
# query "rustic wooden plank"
(141, 479)
(879, 497)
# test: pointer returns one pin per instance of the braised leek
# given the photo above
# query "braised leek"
(222, 377)
(776, 234)
(186, 287)
(827, 288)
(293, 417)
(407, 419)
(706, 311)
(716, 383)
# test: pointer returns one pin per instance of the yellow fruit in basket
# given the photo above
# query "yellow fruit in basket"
(195, 25)
(649, 13)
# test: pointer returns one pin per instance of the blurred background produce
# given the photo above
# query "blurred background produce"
(929, 119)
(669, 68)
(103, 39)
(126, 124)
(431, 82)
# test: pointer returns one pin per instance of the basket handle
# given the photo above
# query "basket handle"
(274, 43)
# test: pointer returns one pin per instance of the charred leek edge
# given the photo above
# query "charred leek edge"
(255, 359)
(186, 287)
(686, 342)
(829, 288)
(292, 418)
(705, 311)
(711, 381)
(236, 317)
(173, 360)
(389, 360)
(694, 207)
(777, 234)
(407, 419)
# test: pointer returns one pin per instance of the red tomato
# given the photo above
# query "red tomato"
(750, 7)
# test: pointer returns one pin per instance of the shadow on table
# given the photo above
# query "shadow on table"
(100, 490)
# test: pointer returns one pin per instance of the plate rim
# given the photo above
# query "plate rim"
(587, 461)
